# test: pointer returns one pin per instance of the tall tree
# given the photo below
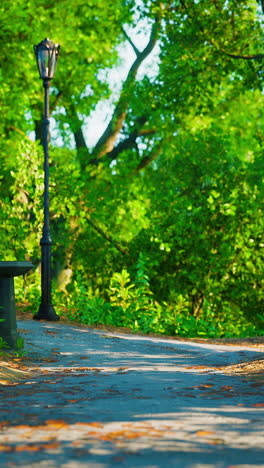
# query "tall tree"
(175, 174)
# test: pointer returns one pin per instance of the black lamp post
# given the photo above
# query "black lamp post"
(46, 54)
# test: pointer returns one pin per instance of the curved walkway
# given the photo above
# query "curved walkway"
(100, 399)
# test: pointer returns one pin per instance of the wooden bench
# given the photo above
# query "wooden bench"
(8, 270)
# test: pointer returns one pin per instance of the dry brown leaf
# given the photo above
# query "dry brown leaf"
(51, 445)
(93, 424)
(5, 448)
(204, 433)
(93, 434)
(201, 387)
(27, 448)
(196, 367)
(48, 438)
(3, 424)
(133, 435)
(216, 441)
(49, 360)
(105, 438)
(56, 423)
(5, 382)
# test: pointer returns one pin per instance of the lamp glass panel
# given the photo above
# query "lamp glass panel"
(43, 63)
(52, 62)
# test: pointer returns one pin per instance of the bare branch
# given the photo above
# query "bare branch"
(128, 143)
(147, 131)
(80, 143)
(79, 139)
(106, 142)
(182, 2)
(56, 101)
(244, 57)
(107, 237)
(216, 4)
(18, 130)
(148, 159)
(137, 52)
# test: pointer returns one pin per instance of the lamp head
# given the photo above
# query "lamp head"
(46, 55)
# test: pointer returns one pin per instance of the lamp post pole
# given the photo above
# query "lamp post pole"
(46, 54)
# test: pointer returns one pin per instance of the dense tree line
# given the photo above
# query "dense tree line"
(158, 226)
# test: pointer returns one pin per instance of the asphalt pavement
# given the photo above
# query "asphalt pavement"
(94, 398)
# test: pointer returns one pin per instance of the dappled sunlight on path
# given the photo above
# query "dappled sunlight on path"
(98, 399)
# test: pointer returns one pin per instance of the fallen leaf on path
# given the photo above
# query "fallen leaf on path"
(252, 367)
(91, 424)
(48, 438)
(6, 382)
(5, 448)
(105, 438)
(51, 445)
(56, 423)
(216, 441)
(3, 424)
(49, 360)
(27, 448)
(204, 433)
(94, 424)
(196, 367)
(201, 387)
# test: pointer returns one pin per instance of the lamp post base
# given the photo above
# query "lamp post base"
(46, 312)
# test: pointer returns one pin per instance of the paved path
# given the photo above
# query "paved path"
(99, 399)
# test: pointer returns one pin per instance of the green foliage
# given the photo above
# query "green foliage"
(20, 203)
(229, 323)
(164, 235)
(19, 347)
(3, 345)
(18, 350)
(131, 305)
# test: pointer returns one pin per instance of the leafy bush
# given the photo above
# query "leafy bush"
(131, 304)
